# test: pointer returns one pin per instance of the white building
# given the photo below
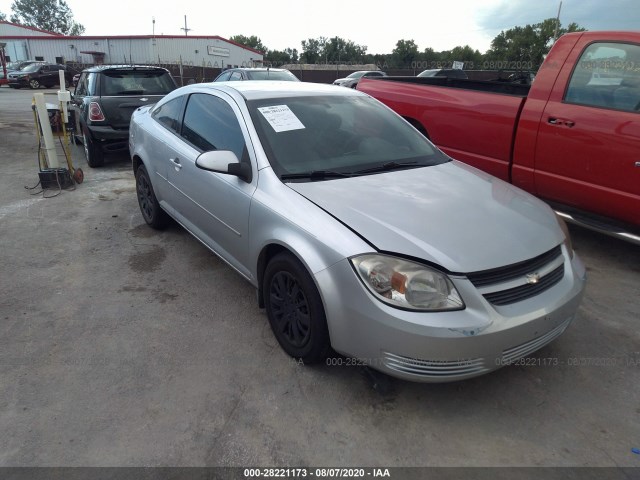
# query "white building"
(27, 43)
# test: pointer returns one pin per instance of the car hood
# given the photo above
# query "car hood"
(450, 214)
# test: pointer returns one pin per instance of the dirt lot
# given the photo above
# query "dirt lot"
(122, 346)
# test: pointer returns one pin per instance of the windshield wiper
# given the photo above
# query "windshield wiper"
(385, 167)
(315, 175)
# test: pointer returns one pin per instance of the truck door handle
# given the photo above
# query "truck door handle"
(637, 164)
(176, 163)
(558, 121)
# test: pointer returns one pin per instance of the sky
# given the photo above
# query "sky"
(281, 24)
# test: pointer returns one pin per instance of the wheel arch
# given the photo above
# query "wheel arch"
(418, 126)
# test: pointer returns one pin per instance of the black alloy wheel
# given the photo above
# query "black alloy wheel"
(295, 310)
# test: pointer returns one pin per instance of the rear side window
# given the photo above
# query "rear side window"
(608, 76)
(224, 77)
(169, 114)
(236, 76)
(211, 124)
(136, 82)
(81, 88)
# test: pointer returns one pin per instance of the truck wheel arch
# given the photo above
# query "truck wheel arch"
(418, 126)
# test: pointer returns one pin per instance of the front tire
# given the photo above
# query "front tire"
(34, 84)
(93, 154)
(295, 309)
(149, 206)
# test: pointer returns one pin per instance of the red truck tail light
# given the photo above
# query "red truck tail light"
(95, 112)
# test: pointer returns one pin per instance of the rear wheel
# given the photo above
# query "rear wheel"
(34, 83)
(295, 309)
(93, 154)
(149, 206)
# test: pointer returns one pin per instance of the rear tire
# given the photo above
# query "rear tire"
(295, 309)
(149, 207)
(34, 84)
(93, 154)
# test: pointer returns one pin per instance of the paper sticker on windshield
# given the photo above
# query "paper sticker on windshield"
(281, 118)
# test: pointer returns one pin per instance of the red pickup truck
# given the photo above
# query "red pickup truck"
(572, 137)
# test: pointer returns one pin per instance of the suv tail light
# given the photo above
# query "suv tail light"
(95, 112)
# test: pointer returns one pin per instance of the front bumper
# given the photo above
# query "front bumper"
(18, 82)
(445, 346)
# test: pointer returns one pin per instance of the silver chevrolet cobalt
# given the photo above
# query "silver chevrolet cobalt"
(356, 231)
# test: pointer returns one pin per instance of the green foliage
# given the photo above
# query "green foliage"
(405, 53)
(310, 50)
(529, 43)
(251, 42)
(329, 50)
(282, 57)
(51, 15)
(2, 16)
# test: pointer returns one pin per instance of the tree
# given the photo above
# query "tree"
(282, 57)
(251, 42)
(51, 15)
(405, 53)
(2, 16)
(310, 50)
(527, 44)
(338, 49)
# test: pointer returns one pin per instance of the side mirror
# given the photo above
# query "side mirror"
(224, 161)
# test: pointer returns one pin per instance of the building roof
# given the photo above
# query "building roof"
(33, 29)
(57, 36)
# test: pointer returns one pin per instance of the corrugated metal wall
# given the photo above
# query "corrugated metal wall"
(212, 52)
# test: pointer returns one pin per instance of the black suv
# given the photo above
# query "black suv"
(104, 99)
(37, 75)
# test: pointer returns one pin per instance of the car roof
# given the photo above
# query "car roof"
(265, 89)
(102, 68)
(257, 69)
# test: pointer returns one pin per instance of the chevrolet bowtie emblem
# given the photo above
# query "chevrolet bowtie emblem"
(533, 278)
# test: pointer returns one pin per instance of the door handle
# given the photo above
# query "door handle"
(176, 163)
(637, 164)
(559, 121)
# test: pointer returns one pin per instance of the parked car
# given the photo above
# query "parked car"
(235, 74)
(352, 80)
(36, 75)
(569, 137)
(104, 99)
(20, 64)
(356, 231)
(444, 72)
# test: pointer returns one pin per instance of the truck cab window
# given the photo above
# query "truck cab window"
(607, 76)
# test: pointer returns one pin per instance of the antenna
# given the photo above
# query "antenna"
(153, 27)
(186, 30)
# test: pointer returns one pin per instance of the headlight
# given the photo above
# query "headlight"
(405, 284)
(567, 235)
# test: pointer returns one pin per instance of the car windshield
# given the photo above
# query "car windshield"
(31, 68)
(339, 135)
(272, 75)
(356, 75)
(136, 82)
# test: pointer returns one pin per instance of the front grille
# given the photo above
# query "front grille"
(519, 351)
(503, 274)
(517, 294)
(510, 284)
(434, 368)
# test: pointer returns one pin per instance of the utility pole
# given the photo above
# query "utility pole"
(186, 30)
(555, 35)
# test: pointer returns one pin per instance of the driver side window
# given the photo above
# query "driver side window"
(211, 124)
